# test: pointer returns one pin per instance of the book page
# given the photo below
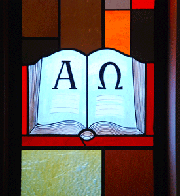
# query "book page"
(62, 94)
(110, 89)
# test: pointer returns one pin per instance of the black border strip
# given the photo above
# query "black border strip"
(87, 148)
(4, 98)
(86, 92)
(59, 24)
(40, 38)
(102, 24)
(102, 172)
(160, 99)
(14, 96)
(117, 9)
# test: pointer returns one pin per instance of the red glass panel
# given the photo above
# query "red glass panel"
(97, 141)
(24, 100)
(150, 99)
(143, 4)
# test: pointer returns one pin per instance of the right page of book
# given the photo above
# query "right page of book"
(111, 102)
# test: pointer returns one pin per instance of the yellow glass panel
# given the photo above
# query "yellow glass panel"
(61, 172)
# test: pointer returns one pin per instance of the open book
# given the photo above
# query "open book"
(102, 93)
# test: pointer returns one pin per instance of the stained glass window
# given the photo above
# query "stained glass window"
(119, 157)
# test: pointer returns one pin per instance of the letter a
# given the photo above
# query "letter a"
(71, 79)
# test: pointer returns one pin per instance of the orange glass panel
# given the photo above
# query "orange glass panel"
(117, 30)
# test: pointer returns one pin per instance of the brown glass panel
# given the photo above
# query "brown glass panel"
(81, 24)
(40, 18)
(129, 172)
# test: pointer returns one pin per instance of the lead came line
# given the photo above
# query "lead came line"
(86, 92)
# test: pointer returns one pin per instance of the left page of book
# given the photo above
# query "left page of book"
(62, 92)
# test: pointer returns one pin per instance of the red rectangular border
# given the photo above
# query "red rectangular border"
(105, 141)
(97, 141)
(149, 109)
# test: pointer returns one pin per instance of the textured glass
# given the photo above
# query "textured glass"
(117, 30)
(129, 173)
(61, 172)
